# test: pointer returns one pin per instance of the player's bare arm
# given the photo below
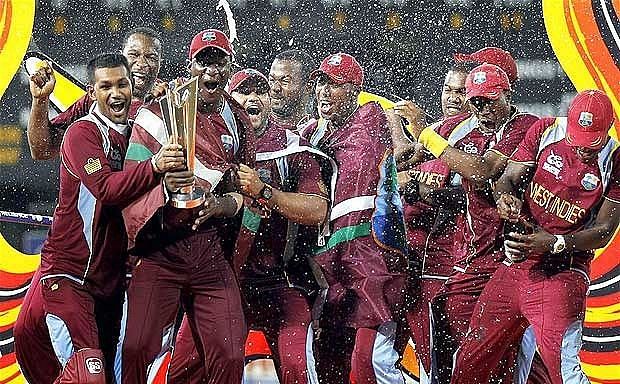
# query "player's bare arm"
(226, 205)
(598, 234)
(474, 167)
(507, 189)
(43, 143)
(594, 237)
(301, 208)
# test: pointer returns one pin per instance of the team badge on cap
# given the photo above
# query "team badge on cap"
(335, 60)
(589, 182)
(585, 119)
(480, 77)
(209, 36)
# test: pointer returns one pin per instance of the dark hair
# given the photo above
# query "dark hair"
(304, 59)
(146, 31)
(106, 60)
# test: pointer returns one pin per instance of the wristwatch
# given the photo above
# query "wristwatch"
(265, 194)
(559, 245)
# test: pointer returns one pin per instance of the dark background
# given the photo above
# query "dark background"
(405, 48)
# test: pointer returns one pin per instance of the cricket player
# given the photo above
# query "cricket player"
(141, 47)
(476, 146)
(67, 332)
(563, 182)
(364, 260)
(186, 259)
(433, 206)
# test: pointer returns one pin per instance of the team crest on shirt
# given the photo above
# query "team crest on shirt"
(335, 60)
(554, 164)
(227, 142)
(264, 175)
(590, 182)
(92, 165)
(470, 148)
(479, 77)
(585, 119)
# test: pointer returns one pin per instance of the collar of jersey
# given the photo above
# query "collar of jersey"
(120, 128)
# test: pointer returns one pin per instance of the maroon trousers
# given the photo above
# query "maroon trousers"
(419, 321)
(209, 293)
(58, 318)
(283, 314)
(517, 296)
(452, 308)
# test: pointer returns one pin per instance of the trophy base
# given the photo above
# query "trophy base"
(188, 200)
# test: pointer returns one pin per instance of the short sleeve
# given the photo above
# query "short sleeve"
(309, 175)
(514, 134)
(527, 149)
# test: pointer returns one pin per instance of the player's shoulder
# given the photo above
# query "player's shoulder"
(306, 129)
(520, 120)
(447, 125)
(371, 110)
(371, 118)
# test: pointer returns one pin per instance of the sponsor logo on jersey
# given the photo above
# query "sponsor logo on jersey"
(555, 205)
(227, 141)
(470, 148)
(585, 119)
(554, 164)
(480, 77)
(589, 182)
(94, 365)
(92, 165)
(116, 159)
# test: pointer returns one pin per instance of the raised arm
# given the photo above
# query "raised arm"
(44, 144)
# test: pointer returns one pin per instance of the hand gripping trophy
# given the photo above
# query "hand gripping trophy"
(178, 109)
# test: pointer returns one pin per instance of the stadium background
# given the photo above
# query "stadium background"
(404, 46)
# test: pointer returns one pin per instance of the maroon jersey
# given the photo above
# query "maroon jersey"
(483, 235)
(432, 232)
(87, 241)
(564, 194)
(79, 109)
(284, 162)
(223, 139)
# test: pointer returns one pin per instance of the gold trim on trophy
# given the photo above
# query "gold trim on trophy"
(178, 110)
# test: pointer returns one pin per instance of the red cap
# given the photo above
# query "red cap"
(243, 75)
(492, 55)
(486, 80)
(210, 38)
(341, 68)
(590, 115)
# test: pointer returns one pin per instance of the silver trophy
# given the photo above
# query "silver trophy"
(178, 110)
